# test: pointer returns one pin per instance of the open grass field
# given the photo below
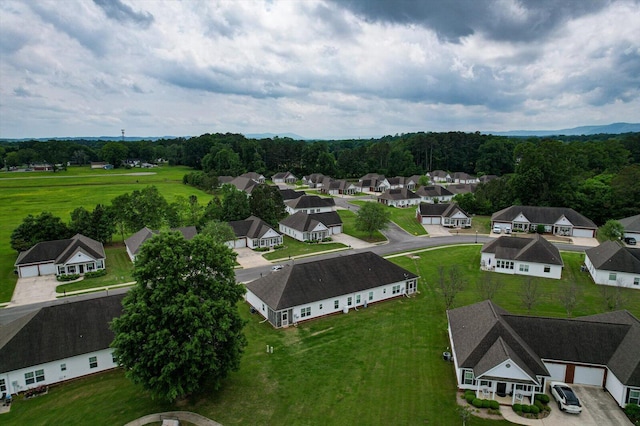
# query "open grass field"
(379, 365)
(293, 247)
(349, 227)
(61, 192)
(405, 218)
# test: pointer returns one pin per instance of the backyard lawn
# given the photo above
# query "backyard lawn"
(379, 365)
(405, 218)
(294, 248)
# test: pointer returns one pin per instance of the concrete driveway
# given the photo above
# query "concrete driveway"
(248, 258)
(437, 230)
(34, 289)
(598, 409)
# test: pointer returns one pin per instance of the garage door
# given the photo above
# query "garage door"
(47, 269)
(557, 371)
(589, 376)
(28, 271)
(430, 220)
(585, 233)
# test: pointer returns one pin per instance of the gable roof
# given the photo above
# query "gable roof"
(462, 188)
(253, 175)
(441, 209)
(309, 282)
(310, 201)
(59, 251)
(543, 215)
(290, 194)
(135, 241)
(612, 256)
(398, 194)
(251, 227)
(536, 249)
(301, 221)
(433, 191)
(58, 332)
(631, 224)
(244, 183)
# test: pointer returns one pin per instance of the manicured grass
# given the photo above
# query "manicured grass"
(61, 192)
(349, 227)
(405, 218)
(298, 248)
(119, 270)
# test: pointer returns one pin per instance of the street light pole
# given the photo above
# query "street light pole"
(476, 237)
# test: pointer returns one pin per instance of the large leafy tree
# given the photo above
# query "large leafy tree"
(235, 205)
(32, 230)
(180, 330)
(266, 203)
(114, 153)
(372, 217)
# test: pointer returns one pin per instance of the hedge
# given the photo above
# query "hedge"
(494, 405)
(517, 408)
(544, 398)
(534, 409)
(68, 277)
(477, 403)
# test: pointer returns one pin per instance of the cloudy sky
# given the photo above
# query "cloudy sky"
(320, 69)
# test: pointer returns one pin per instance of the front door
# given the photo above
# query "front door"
(285, 319)
(501, 389)
(81, 268)
(411, 287)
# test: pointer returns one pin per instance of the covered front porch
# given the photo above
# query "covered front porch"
(508, 392)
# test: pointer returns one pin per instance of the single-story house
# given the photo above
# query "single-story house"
(284, 177)
(373, 182)
(399, 197)
(304, 291)
(612, 264)
(310, 204)
(224, 179)
(76, 255)
(462, 177)
(631, 227)
(561, 221)
(434, 194)
(462, 188)
(244, 183)
(58, 343)
(257, 177)
(440, 176)
(134, 242)
(311, 227)
(290, 194)
(496, 353)
(534, 257)
(254, 233)
(449, 215)
(337, 187)
(314, 180)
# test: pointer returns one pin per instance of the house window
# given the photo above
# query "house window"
(524, 268)
(547, 269)
(305, 312)
(612, 276)
(39, 375)
(29, 378)
(99, 264)
(93, 362)
(3, 385)
(336, 304)
(468, 378)
(349, 301)
(263, 306)
(357, 298)
(71, 269)
(63, 367)
(634, 396)
(370, 295)
(395, 289)
(636, 281)
(320, 307)
(485, 384)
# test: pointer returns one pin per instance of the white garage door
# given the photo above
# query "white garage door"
(585, 233)
(430, 220)
(28, 271)
(557, 371)
(588, 376)
(47, 269)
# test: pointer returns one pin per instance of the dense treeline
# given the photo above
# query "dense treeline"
(597, 176)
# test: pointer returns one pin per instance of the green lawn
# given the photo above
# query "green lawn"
(294, 248)
(62, 192)
(380, 365)
(405, 218)
(349, 227)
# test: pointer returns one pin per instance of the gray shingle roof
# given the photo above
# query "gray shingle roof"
(251, 227)
(442, 209)
(543, 215)
(323, 279)
(59, 251)
(135, 241)
(612, 256)
(305, 222)
(310, 201)
(433, 191)
(631, 224)
(290, 194)
(536, 249)
(398, 194)
(57, 332)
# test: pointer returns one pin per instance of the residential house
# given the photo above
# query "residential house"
(496, 353)
(487, 178)
(290, 194)
(313, 180)
(337, 187)
(98, 164)
(244, 183)
(254, 233)
(556, 220)
(311, 227)
(434, 194)
(134, 242)
(254, 176)
(57, 343)
(310, 204)
(305, 291)
(534, 257)
(462, 188)
(613, 264)
(373, 182)
(400, 197)
(631, 227)
(440, 176)
(462, 177)
(412, 182)
(225, 179)
(284, 177)
(76, 255)
(449, 215)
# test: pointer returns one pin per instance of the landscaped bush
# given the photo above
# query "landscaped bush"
(494, 405)
(477, 403)
(517, 408)
(261, 249)
(633, 412)
(470, 397)
(68, 277)
(278, 247)
(95, 274)
(469, 392)
(486, 403)
(526, 408)
(539, 404)
(492, 411)
(544, 398)
(533, 409)
(326, 240)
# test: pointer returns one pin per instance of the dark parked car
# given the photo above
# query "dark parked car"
(566, 398)
(630, 240)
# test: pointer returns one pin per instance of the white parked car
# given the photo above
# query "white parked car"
(565, 397)
(497, 229)
(276, 267)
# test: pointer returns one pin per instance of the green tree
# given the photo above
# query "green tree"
(372, 217)
(81, 222)
(213, 211)
(495, 157)
(147, 208)
(235, 205)
(33, 230)
(122, 213)
(220, 232)
(612, 230)
(266, 203)
(102, 224)
(12, 159)
(114, 153)
(180, 329)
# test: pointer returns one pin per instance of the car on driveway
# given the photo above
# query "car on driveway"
(565, 397)
(630, 240)
(497, 229)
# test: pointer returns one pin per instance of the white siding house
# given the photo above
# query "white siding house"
(612, 264)
(534, 257)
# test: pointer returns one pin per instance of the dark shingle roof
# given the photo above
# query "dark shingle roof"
(243, 183)
(631, 224)
(612, 256)
(57, 332)
(398, 194)
(290, 194)
(535, 249)
(135, 241)
(462, 188)
(433, 191)
(310, 201)
(442, 210)
(305, 222)
(310, 282)
(59, 251)
(543, 215)
(251, 227)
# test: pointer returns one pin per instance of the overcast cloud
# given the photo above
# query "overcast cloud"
(323, 69)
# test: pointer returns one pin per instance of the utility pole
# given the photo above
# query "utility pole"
(122, 135)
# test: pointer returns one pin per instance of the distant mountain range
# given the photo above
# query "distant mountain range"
(273, 135)
(611, 129)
